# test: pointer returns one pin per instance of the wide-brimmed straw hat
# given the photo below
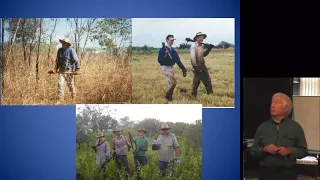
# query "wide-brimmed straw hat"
(142, 129)
(199, 34)
(100, 134)
(66, 40)
(117, 129)
(164, 126)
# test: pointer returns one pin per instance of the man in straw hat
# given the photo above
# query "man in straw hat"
(166, 144)
(142, 146)
(167, 58)
(65, 62)
(279, 142)
(119, 149)
(102, 151)
(200, 70)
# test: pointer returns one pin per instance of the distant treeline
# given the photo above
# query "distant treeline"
(221, 45)
(93, 118)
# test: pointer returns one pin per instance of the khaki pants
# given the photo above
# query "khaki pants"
(168, 72)
(69, 79)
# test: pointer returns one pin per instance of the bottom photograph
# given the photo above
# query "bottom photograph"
(139, 141)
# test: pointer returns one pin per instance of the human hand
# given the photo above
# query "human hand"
(283, 151)
(271, 148)
(179, 161)
(166, 52)
(210, 46)
(184, 73)
(77, 71)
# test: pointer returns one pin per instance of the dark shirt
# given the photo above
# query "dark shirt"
(66, 58)
(166, 61)
(288, 133)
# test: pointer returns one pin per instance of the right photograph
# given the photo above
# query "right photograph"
(183, 61)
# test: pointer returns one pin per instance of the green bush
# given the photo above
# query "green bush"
(190, 168)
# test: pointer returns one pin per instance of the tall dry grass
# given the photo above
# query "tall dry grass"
(149, 84)
(104, 79)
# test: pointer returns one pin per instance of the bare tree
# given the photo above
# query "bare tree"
(38, 53)
(76, 34)
(50, 40)
(78, 27)
(2, 35)
(24, 42)
(32, 44)
(12, 40)
(1, 59)
(90, 26)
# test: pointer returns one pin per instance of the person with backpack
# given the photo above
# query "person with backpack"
(102, 152)
(140, 158)
(119, 150)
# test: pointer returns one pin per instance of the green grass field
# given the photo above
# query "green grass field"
(149, 84)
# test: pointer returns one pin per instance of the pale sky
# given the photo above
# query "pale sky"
(153, 31)
(63, 28)
(187, 113)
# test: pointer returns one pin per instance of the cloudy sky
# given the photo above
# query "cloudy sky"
(153, 31)
(164, 112)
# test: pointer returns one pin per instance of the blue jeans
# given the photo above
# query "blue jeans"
(166, 165)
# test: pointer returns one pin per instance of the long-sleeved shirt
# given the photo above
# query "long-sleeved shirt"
(66, 58)
(197, 55)
(288, 133)
(166, 61)
(102, 152)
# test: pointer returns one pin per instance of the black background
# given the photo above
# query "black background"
(256, 100)
(277, 41)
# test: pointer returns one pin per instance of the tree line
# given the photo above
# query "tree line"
(221, 45)
(93, 118)
(112, 34)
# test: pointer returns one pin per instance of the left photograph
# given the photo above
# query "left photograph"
(56, 61)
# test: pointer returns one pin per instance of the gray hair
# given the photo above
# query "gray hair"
(286, 101)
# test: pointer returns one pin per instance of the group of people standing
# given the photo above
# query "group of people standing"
(168, 57)
(165, 145)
